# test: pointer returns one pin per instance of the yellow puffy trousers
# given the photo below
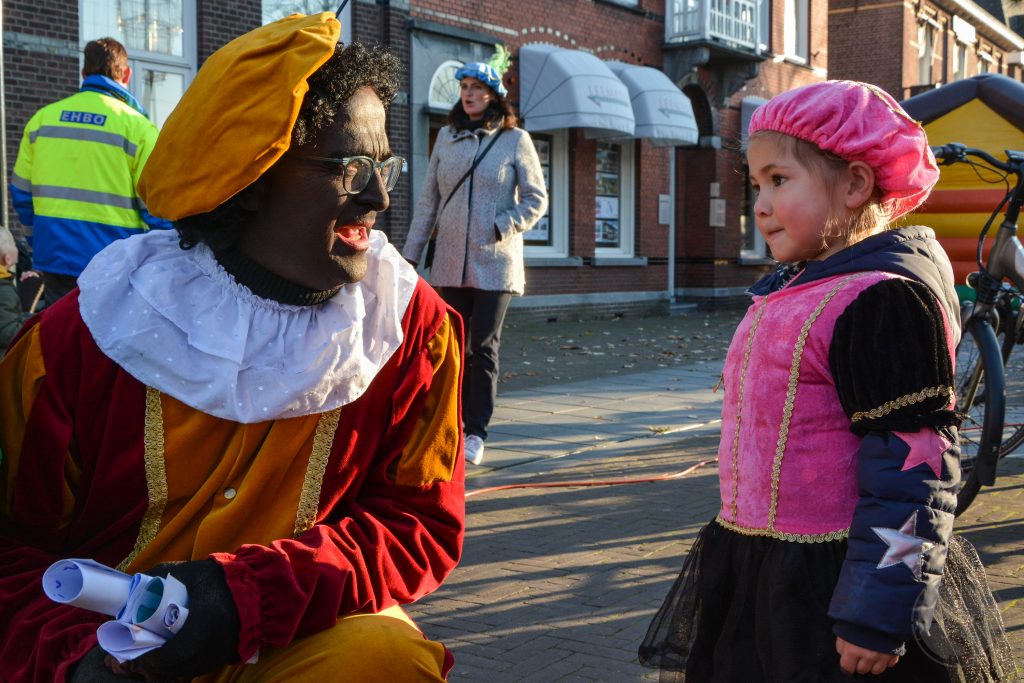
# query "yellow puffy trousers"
(360, 648)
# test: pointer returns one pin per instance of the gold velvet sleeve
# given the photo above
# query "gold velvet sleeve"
(433, 447)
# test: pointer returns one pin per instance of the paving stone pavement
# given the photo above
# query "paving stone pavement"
(560, 583)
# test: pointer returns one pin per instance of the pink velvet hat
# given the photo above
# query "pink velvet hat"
(858, 122)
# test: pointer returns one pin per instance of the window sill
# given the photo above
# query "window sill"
(600, 261)
(552, 261)
(755, 261)
(795, 60)
(633, 7)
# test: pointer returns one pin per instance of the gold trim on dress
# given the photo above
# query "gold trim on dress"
(739, 405)
(156, 475)
(309, 502)
(787, 411)
(903, 402)
(782, 535)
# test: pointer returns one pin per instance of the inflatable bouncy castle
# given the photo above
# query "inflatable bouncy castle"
(987, 112)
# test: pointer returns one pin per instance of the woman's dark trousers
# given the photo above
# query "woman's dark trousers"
(483, 314)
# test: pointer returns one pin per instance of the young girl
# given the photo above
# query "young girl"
(832, 553)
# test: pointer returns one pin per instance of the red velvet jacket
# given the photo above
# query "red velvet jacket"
(73, 483)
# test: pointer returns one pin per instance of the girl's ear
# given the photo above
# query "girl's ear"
(861, 184)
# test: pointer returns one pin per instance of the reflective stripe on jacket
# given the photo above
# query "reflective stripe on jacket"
(74, 181)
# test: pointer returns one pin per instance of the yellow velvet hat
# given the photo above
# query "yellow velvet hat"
(235, 119)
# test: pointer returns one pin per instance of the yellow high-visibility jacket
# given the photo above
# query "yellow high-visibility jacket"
(75, 178)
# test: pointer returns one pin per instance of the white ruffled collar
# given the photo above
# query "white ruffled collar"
(178, 322)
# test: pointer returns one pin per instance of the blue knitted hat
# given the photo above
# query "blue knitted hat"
(485, 73)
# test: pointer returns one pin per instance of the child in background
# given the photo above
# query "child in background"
(833, 551)
(10, 303)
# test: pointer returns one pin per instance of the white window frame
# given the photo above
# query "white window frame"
(188, 39)
(797, 31)
(558, 201)
(445, 73)
(764, 25)
(136, 86)
(627, 191)
(959, 61)
(308, 7)
(759, 252)
(138, 60)
(986, 62)
(927, 32)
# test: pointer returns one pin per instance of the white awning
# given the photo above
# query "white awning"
(663, 113)
(562, 88)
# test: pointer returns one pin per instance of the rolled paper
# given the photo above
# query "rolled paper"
(87, 584)
(148, 609)
(164, 609)
(126, 641)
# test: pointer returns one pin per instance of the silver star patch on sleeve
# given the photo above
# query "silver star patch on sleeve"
(904, 546)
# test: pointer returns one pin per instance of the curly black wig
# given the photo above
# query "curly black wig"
(348, 69)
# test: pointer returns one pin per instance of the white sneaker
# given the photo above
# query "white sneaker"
(474, 449)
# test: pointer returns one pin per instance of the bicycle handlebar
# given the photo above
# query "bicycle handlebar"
(1005, 254)
(954, 152)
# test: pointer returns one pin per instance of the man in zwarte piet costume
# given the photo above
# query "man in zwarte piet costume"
(264, 404)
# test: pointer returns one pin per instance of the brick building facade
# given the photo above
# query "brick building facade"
(924, 44)
(725, 57)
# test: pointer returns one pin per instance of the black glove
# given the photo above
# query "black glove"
(92, 669)
(209, 638)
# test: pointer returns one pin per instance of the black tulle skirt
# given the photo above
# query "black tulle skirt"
(749, 609)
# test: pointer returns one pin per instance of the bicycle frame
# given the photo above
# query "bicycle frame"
(1005, 262)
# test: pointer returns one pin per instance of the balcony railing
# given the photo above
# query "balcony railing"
(730, 21)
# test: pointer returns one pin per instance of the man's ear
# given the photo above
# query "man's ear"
(861, 184)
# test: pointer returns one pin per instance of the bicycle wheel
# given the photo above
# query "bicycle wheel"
(980, 396)
(1013, 370)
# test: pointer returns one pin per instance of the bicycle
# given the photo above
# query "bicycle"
(992, 312)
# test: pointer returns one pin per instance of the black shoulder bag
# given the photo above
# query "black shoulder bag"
(428, 259)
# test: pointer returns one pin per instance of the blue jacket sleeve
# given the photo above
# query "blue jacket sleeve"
(22, 201)
(155, 223)
(898, 397)
(896, 551)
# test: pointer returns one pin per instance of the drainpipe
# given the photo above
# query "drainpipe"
(3, 128)
(671, 225)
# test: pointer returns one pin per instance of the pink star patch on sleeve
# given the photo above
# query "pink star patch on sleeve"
(926, 446)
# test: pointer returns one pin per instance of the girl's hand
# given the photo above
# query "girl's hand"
(854, 659)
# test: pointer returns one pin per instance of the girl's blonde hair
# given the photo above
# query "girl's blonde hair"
(871, 215)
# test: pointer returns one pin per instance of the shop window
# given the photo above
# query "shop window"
(159, 36)
(613, 225)
(797, 30)
(549, 236)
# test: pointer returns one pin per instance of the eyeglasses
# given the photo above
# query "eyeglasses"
(359, 170)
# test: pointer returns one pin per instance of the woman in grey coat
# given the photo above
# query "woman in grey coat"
(478, 259)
